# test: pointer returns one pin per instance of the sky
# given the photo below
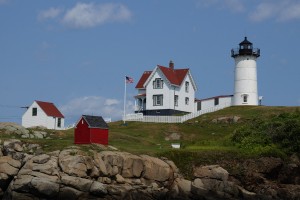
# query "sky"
(77, 53)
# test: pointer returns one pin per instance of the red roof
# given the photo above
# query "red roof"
(50, 109)
(143, 79)
(175, 76)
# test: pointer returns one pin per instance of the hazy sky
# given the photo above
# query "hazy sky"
(76, 53)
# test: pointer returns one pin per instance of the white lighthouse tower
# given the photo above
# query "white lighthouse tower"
(245, 74)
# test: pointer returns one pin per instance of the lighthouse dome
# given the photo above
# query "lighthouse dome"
(245, 48)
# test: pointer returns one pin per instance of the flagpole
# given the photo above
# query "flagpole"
(124, 100)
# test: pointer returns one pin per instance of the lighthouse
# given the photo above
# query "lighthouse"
(245, 74)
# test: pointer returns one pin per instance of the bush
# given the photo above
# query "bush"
(278, 134)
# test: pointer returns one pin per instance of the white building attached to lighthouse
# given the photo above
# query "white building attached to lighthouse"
(245, 74)
(167, 91)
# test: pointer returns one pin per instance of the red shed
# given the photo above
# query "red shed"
(91, 129)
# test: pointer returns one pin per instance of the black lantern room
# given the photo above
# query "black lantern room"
(245, 48)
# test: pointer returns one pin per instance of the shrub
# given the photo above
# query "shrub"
(278, 134)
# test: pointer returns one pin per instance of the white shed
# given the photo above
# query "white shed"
(44, 114)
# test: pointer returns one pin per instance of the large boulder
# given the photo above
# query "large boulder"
(39, 177)
(81, 184)
(98, 189)
(156, 169)
(44, 187)
(100, 164)
(13, 128)
(126, 164)
(8, 169)
(211, 172)
(9, 166)
(113, 161)
(13, 147)
(212, 181)
(74, 162)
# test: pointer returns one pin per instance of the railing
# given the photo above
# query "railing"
(238, 51)
(139, 117)
(139, 108)
(134, 117)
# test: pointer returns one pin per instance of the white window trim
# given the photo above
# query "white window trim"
(187, 86)
(157, 98)
(156, 82)
(243, 98)
(176, 100)
(187, 101)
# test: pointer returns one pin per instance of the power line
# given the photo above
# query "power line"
(10, 106)
(11, 117)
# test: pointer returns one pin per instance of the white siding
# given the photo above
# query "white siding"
(41, 119)
(182, 94)
(168, 91)
(210, 103)
(245, 80)
(141, 91)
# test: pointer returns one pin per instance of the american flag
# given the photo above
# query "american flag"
(129, 79)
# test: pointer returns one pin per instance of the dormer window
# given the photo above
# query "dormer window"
(158, 83)
(187, 84)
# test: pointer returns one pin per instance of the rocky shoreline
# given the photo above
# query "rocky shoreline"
(26, 172)
(73, 174)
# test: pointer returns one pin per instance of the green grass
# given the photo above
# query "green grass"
(197, 134)
(202, 141)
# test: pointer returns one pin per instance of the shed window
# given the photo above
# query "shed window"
(34, 111)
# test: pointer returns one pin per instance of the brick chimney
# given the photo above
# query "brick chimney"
(171, 64)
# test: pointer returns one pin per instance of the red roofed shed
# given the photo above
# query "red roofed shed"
(91, 129)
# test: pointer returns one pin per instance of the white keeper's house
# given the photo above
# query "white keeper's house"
(167, 91)
(44, 114)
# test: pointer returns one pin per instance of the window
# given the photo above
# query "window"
(157, 100)
(176, 100)
(199, 105)
(216, 101)
(34, 111)
(187, 86)
(245, 98)
(158, 83)
(58, 122)
(187, 101)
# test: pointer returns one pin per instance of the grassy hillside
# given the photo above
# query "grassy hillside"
(200, 133)
(259, 131)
